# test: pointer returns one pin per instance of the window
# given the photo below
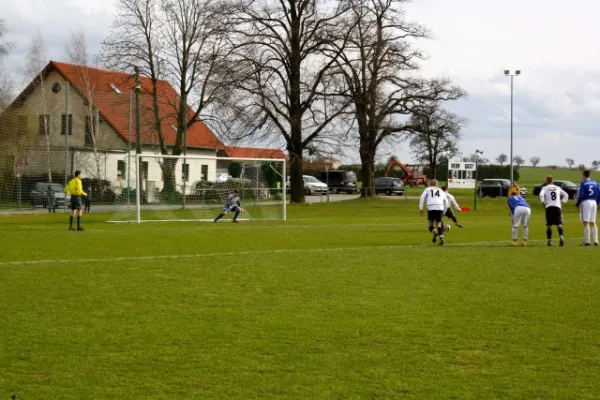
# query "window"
(90, 131)
(66, 124)
(44, 124)
(185, 172)
(145, 170)
(204, 173)
(120, 169)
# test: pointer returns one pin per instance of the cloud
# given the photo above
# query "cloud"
(55, 20)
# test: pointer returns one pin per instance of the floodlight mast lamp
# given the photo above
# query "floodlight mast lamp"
(508, 72)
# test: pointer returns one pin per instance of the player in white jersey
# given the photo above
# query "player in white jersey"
(232, 203)
(436, 202)
(552, 198)
(451, 202)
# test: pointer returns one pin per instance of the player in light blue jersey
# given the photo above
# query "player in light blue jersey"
(232, 203)
(521, 214)
(588, 200)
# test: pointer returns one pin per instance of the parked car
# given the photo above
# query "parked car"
(494, 188)
(571, 188)
(339, 180)
(311, 185)
(39, 194)
(497, 188)
(389, 185)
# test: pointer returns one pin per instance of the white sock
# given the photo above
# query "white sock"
(595, 232)
(515, 233)
(525, 233)
(586, 234)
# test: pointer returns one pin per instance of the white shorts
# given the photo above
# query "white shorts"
(522, 216)
(588, 210)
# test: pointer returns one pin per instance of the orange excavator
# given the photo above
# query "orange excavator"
(411, 175)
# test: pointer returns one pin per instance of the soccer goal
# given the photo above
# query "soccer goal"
(194, 188)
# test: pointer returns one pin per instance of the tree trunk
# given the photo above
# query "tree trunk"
(433, 167)
(296, 181)
(170, 186)
(367, 172)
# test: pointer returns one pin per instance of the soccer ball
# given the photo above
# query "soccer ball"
(447, 228)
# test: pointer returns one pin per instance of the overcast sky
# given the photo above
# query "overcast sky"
(554, 43)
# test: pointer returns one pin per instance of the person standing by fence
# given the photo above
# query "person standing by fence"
(51, 199)
(88, 200)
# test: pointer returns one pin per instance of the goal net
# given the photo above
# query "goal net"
(195, 188)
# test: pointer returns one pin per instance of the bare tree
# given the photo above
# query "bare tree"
(378, 66)
(476, 157)
(436, 133)
(595, 164)
(6, 89)
(4, 46)
(518, 160)
(36, 61)
(181, 41)
(285, 48)
(78, 55)
(570, 162)
(534, 161)
(501, 159)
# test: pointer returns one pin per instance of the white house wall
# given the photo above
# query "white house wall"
(110, 167)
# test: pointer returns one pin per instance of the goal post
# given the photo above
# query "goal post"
(195, 187)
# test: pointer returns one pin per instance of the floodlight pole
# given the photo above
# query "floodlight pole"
(508, 73)
(477, 153)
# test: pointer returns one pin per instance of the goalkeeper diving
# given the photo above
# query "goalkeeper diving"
(232, 203)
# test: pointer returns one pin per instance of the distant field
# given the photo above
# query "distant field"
(530, 176)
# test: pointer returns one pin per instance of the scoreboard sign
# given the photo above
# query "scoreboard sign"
(461, 175)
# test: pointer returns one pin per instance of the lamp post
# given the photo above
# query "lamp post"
(477, 153)
(507, 72)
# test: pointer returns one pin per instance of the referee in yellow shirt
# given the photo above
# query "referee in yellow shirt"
(75, 190)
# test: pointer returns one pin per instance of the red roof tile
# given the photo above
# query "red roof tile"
(249, 152)
(115, 108)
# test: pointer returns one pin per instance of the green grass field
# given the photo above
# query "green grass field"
(343, 301)
(531, 177)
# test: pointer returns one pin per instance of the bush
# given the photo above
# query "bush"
(102, 191)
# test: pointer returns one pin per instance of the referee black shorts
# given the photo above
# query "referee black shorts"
(554, 215)
(76, 203)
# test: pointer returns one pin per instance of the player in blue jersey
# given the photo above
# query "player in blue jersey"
(232, 203)
(588, 199)
(521, 214)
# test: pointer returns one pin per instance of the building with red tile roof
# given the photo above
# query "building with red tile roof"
(78, 101)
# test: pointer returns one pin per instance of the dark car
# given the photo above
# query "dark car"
(389, 185)
(39, 194)
(494, 188)
(571, 188)
(339, 180)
